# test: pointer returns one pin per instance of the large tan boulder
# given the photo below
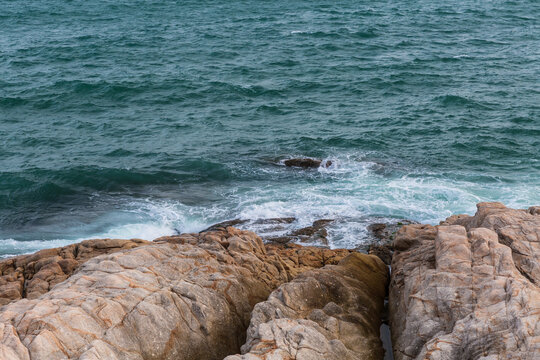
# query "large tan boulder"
(182, 297)
(332, 313)
(29, 276)
(468, 289)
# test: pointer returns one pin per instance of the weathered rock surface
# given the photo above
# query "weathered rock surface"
(468, 289)
(181, 297)
(329, 313)
(307, 163)
(29, 276)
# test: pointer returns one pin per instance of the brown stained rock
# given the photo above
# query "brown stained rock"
(383, 252)
(29, 276)
(182, 297)
(468, 289)
(517, 229)
(306, 163)
(332, 313)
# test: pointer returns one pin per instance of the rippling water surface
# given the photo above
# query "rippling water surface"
(143, 118)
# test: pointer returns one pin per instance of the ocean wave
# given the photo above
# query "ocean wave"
(353, 191)
(461, 101)
(43, 185)
(11, 247)
(195, 103)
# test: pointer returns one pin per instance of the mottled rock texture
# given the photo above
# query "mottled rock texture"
(332, 313)
(29, 276)
(181, 297)
(469, 288)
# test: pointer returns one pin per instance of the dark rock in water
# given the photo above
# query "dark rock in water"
(377, 229)
(235, 222)
(315, 233)
(283, 220)
(313, 229)
(384, 234)
(225, 224)
(322, 222)
(307, 163)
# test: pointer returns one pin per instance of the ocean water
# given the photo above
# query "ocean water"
(146, 118)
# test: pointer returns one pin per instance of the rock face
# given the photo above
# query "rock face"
(29, 276)
(181, 297)
(329, 313)
(469, 288)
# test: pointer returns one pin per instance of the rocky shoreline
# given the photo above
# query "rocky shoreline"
(466, 289)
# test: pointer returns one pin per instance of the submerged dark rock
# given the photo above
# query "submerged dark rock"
(225, 224)
(281, 220)
(235, 222)
(385, 232)
(316, 233)
(307, 163)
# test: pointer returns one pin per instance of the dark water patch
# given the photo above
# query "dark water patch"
(9, 102)
(119, 153)
(460, 101)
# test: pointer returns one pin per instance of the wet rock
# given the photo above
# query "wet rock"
(29, 276)
(306, 163)
(468, 289)
(276, 222)
(188, 296)
(225, 224)
(328, 313)
(384, 234)
(316, 233)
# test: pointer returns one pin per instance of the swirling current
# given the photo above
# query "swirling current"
(144, 118)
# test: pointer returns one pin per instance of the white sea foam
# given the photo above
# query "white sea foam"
(353, 191)
(11, 247)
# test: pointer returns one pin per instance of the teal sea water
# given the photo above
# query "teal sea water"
(145, 118)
